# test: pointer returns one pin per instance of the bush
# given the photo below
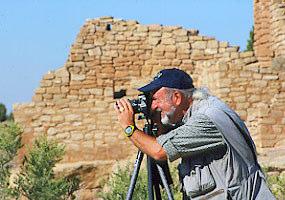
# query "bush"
(3, 114)
(10, 142)
(119, 182)
(37, 180)
(10, 117)
(276, 183)
(277, 186)
(250, 41)
(3, 111)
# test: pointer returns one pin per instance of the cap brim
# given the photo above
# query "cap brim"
(150, 87)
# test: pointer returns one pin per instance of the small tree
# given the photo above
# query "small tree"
(250, 41)
(3, 111)
(37, 180)
(10, 142)
(10, 117)
(3, 114)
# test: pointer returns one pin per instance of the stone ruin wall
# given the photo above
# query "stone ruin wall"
(269, 47)
(269, 25)
(74, 104)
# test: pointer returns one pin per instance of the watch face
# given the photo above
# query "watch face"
(129, 130)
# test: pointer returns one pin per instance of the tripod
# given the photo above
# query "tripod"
(158, 172)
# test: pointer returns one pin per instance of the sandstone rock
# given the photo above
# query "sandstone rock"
(53, 90)
(270, 77)
(90, 173)
(78, 77)
(212, 44)
(51, 131)
(72, 117)
(199, 45)
(223, 44)
(37, 98)
(95, 52)
(49, 76)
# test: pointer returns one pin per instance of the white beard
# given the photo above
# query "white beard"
(166, 119)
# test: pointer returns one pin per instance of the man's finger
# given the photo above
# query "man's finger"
(116, 108)
(124, 104)
(129, 105)
(120, 105)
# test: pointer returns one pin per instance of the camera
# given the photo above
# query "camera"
(140, 104)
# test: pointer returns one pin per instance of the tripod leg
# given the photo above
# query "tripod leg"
(164, 182)
(157, 192)
(149, 178)
(153, 180)
(135, 175)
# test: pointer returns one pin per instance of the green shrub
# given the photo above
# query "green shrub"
(3, 114)
(118, 184)
(3, 111)
(10, 142)
(276, 183)
(10, 117)
(37, 180)
(277, 186)
(250, 41)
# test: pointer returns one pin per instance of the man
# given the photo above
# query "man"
(218, 158)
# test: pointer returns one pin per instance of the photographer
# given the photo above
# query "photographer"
(218, 158)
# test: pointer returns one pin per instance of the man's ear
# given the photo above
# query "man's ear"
(177, 98)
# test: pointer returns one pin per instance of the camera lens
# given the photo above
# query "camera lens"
(139, 105)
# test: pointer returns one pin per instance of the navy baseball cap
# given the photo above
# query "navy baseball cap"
(171, 78)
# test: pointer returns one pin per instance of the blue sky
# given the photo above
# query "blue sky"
(36, 35)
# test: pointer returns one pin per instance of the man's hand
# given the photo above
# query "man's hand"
(125, 113)
(144, 142)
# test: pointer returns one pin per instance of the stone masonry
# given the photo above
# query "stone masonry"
(74, 104)
(269, 46)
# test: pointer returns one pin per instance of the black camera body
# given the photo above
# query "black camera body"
(140, 105)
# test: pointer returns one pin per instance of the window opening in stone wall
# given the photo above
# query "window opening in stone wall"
(109, 27)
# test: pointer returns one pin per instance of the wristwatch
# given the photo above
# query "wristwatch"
(129, 130)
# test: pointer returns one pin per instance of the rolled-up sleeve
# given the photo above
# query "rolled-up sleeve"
(199, 134)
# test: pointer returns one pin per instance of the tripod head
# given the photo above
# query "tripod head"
(141, 106)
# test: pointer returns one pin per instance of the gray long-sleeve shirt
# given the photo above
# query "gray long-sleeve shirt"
(197, 135)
